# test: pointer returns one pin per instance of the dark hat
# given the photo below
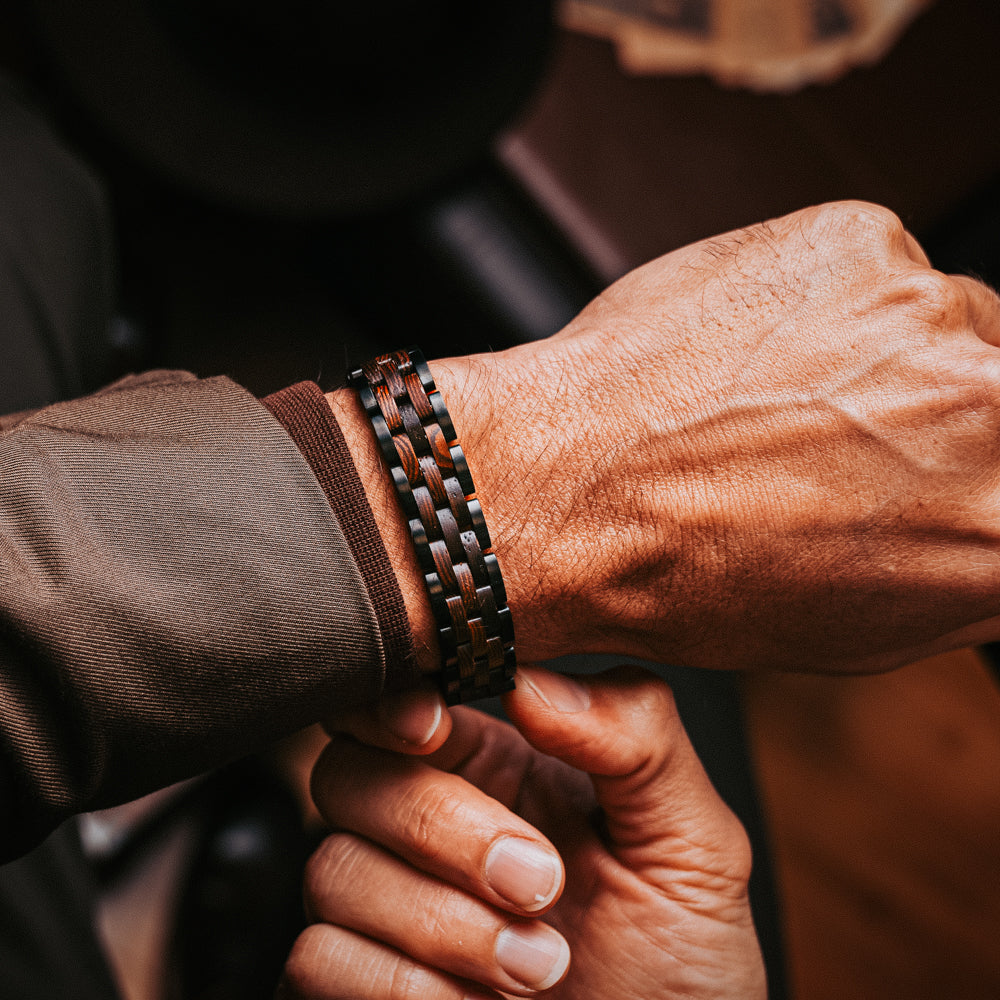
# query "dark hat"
(297, 107)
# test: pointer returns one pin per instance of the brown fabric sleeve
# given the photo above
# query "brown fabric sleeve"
(303, 411)
(175, 592)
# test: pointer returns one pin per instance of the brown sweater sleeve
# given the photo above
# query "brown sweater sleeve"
(175, 591)
(303, 411)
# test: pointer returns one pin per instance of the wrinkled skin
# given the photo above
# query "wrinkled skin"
(777, 448)
(653, 907)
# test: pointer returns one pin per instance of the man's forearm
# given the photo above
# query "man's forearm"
(395, 534)
(176, 592)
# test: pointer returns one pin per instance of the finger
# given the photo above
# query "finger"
(331, 963)
(439, 823)
(414, 722)
(622, 727)
(354, 884)
(983, 308)
(889, 226)
(493, 756)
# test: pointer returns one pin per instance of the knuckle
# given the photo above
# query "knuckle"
(642, 727)
(308, 961)
(861, 218)
(438, 915)
(335, 862)
(410, 982)
(853, 225)
(653, 695)
(428, 814)
(323, 962)
(662, 700)
(934, 298)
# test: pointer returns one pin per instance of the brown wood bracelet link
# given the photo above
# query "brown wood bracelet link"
(438, 498)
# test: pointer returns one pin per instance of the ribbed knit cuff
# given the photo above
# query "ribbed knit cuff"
(305, 414)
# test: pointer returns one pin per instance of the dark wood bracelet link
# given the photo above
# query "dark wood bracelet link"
(438, 498)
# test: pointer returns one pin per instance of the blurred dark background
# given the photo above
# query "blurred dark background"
(621, 168)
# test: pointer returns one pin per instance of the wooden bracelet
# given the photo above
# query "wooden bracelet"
(438, 499)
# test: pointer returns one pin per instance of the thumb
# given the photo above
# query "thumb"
(622, 728)
(410, 722)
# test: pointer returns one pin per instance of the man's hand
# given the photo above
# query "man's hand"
(438, 888)
(779, 447)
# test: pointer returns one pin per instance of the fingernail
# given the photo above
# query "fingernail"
(535, 954)
(526, 874)
(558, 691)
(413, 717)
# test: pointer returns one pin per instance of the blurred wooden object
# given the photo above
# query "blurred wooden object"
(642, 165)
(883, 795)
(774, 46)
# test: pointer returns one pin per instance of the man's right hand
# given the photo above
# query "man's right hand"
(779, 447)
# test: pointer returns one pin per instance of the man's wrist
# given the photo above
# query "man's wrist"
(476, 393)
(422, 452)
(395, 534)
